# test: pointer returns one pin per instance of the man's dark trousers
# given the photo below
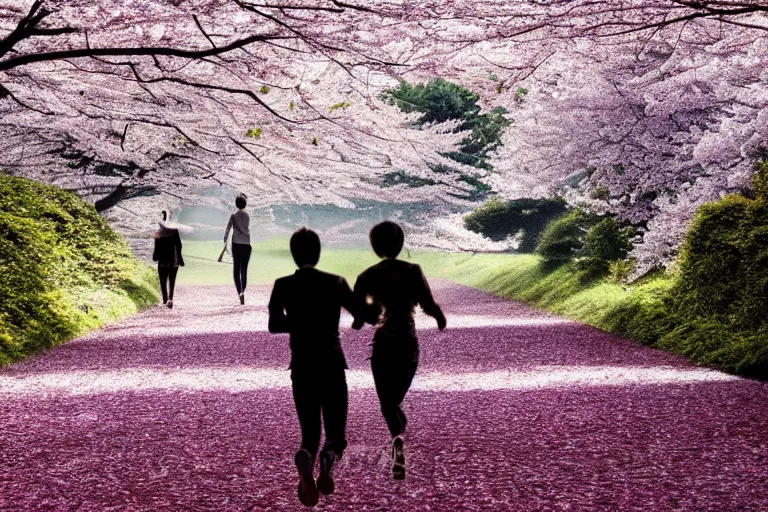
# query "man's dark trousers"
(323, 392)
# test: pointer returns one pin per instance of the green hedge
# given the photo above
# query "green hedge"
(721, 297)
(498, 219)
(62, 269)
(564, 238)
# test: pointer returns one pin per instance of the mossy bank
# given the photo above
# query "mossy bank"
(63, 271)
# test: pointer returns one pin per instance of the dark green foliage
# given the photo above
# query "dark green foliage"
(391, 179)
(760, 181)
(601, 193)
(564, 237)
(714, 310)
(439, 101)
(479, 190)
(605, 242)
(499, 219)
(62, 269)
(724, 263)
(721, 297)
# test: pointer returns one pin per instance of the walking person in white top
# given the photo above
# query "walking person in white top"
(239, 223)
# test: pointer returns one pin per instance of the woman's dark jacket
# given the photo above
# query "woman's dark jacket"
(168, 248)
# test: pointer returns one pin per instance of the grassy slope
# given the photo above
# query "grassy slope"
(63, 271)
(629, 311)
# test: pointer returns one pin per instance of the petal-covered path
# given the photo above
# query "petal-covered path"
(512, 409)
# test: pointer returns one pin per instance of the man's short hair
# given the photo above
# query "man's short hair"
(387, 239)
(305, 247)
(240, 201)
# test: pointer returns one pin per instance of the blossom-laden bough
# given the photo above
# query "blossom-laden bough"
(660, 103)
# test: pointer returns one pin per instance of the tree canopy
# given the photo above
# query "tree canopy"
(642, 109)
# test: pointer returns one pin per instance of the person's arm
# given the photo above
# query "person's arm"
(426, 300)
(229, 227)
(178, 249)
(155, 256)
(349, 301)
(367, 312)
(278, 322)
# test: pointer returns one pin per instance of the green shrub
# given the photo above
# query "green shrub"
(564, 237)
(716, 344)
(605, 242)
(620, 270)
(62, 269)
(760, 180)
(713, 308)
(499, 219)
(724, 264)
(721, 297)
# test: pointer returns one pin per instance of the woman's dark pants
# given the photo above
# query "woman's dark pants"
(241, 255)
(167, 277)
(393, 364)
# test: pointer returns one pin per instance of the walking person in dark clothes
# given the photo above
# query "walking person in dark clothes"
(239, 223)
(392, 289)
(167, 254)
(308, 305)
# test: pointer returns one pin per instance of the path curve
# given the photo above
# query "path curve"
(512, 409)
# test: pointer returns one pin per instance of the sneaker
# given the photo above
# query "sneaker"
(170, 304)
(325, 481)
(308, 494)
(242, 298)
(398, 458)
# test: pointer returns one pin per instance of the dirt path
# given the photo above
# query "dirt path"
(512, 409)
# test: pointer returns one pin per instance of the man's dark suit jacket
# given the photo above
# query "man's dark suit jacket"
(168, 248)
(308, 305)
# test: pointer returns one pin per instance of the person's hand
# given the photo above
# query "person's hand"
(441, 322)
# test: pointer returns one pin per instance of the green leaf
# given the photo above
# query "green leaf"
(343, 104)
(520, 94)
(254, 133)
(264, 89)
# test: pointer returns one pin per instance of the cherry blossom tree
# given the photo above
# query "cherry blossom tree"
(647, 108)
(648, 121)
(117, 101)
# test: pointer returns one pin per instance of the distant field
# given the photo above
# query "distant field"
(271, 259)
